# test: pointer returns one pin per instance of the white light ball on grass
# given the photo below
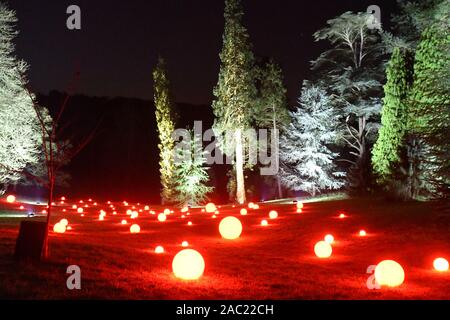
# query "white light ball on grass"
(230, 228)
(64, 221)
(251, 205)
(362, 233)
(243, 211)
(166, 211)
(159, 249)
(80, 210)
(210, 207)
(273, 214)
(135, 228)
(162, 217)
(329, 238)
(59, 228)
(323, 249)
(10, 199)
(123, 221)
(440, 264)
(264, 223)
(185, 244)
(188, 264)
(299, 205)
(389, 273)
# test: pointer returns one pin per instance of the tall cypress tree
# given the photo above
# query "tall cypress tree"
(235, 90)
(386, 153)
(165, 123)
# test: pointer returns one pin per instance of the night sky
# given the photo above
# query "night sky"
(119, 42)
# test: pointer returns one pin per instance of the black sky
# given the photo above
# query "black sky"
(119, 42)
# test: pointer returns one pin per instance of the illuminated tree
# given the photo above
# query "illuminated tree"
(386, 153)
(190, 172)
(307, 162)
(166, 126)
(235, 91)
(20, 132)
(272, 112)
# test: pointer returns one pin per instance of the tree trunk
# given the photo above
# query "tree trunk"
(274, 123)
(240, 184)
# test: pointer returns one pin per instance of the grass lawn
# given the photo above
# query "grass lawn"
(273, 262)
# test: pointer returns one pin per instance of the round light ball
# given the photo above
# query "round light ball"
(59, 228)
(299, 205)
(323, 249)
(159, 249)
(135, 228)
(362, 233)
(273, 214)
(329, 238)
(389, 273)
(188, 264)
(440, 264)
(185, 244)
(80, 210)
(210, 207)
(230, 228)
(162, 217)
(243, 211)
(65, 222)
(10, 199)
(264, 223)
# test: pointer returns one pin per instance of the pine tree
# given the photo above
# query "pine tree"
(307, 162)
(386, 153)
(20, 132)
(235, 91)
(429, 123)
(190, 172)
(272, 112)
(166, 126)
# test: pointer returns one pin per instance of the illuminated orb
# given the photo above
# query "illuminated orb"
(59, 228)
(188, 264)
(251, 205)
(114, 212)
(329, 238)
(264, 223)
(299, 210)
(214, 216)
(10, 199)
(80, 210)
(129, 212)
(166, 211)
(185, 244)
(342, 216)
(69, 228)
(134, 215)
(101, 217)
(22, 207)
(162, 217)
(243, 211)
(146, 208)
(190, 223)
(362, 233)
(159, 249)
(135, 228)
(440, 264)
(323, 249)
(74, 206)
(299, 205)
(256, 206)
(184, 209)
(389, 273)
(273, 214)
(183, 216)
(230, 228)
(210, 207)
(123, 221)
(63, 198)
(65, 222)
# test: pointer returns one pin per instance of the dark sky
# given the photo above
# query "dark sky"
(119, 42)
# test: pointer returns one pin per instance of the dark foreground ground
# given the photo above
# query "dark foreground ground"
(273, 262)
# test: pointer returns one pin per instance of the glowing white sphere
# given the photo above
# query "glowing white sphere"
(362, 233)
(59, 228)
(189, 223)
(440, 264)
(323, 249)
(210, 207)
(162, 217)
(10, 199)
(250, 205)
(342, 216)
(299, 205)
(146, 208)
(230, 228)
(123, 221)
(135, 228)
(80, 210)
(65, 222)
(243, 211)
(389, 273)
(134, 215)
(188, 264)
(273, 214)
(264, 223)
(256, 206)
(185, 244)
(166, 211)
(329, 238)
(159, 249)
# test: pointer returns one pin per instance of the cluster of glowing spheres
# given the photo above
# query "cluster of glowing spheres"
(389, 273)
(273, 214)
(185, 244)
(440, 264)
(162, 217)
(159, 249)
(210, 207)
(362, 233)
(188, 264)
(243, 211)
(323, 249)
(80, 210)
(329, 238)
(230, 228)
(135, 228)
(10, 199)
(59, 228)
(264, 223)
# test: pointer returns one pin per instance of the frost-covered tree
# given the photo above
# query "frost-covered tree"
(235, 91)
(307, 162)
(20, 132)
(191, 173)
(165, 123)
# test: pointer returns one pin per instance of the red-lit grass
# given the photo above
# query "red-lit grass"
(272, 262)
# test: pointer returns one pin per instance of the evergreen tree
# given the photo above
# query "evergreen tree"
(166, 126)
(386, 153)
(235, 91)
(272, 105)
(20, 132)
(190, 172)
(307, 162)
(429, 125)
